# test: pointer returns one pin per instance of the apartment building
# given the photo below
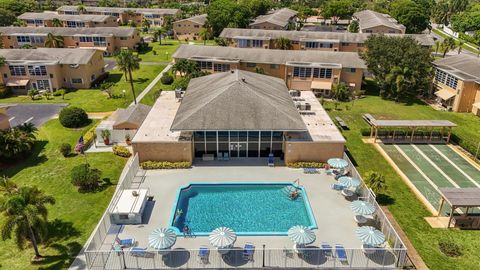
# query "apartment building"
(300, 70)
(51, 68)
(46, 19)
(275, 20)
(189, 28)
(156, 16)
(374, 22)
(107, 39)
(457, 83)
(307, 40)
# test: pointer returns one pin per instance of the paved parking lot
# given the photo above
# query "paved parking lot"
(37, 114)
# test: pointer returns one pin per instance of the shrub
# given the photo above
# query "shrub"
(5, 91)
(73, 117)
(449, 248)
(57, 93)
(85, 178)
(121, 151)
(306, 164)
(89, 136)
(32, 93)
(65, 149)
(166, 79)
(153, 165)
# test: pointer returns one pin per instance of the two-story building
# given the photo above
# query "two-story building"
(51, 68)
(300, 70)
(307, 40)
(457, 83)
(370, 21)
(275, 20)
(189, 28)
(46, 19)
(156, 16)
(107, 39)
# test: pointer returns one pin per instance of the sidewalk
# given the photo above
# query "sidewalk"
(152, 84)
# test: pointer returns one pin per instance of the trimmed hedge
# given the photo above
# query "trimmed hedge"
(5, 91)
(73, 117)
(155, 165)
(121, 151)
(166, 79)
(65, 149)
(306, 164)
(89, 136)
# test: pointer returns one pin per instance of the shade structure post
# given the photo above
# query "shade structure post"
(393, 137)
(371, 131)
(451, 216)
(449, 134)
(440, 208)
(376, 135)
(413, 134)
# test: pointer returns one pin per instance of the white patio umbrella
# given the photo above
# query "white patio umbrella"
(337, 163)
(222, 237)
(301, 235)
(370, 236)
(348, 181)
(362, 207)
(162, 238)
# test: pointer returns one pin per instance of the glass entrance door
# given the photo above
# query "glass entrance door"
(234, 149)
(242, 150)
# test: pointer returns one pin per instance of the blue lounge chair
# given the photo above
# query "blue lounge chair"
(220, 156)
(341, 253)
(271, 160)
(203, 254)
(125, 242)
(248, 251)
(327, 249)
(337, 187)
(226, 157)
(138, 252)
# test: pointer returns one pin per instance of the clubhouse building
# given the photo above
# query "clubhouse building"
(307, 40)
(457, 83)
(107, 39)
(301, 70)
(238, 114)
(46, 19)
(51, 68)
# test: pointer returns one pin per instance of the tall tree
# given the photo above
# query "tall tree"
(283, 43)
(146, 24)
(387, 56)
(354, 27)
(81, 9)
(227, 13)
(26, 215)
(57, 23)
(185, 67)
(415, 16)
(337, 9)
(53, 41)
(448, 44)
(128, 62)
(158, 33)
(204, 34)
(7, 17)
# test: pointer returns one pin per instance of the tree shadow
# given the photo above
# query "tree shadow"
(384, 199)
(140, 80)
(60, 230)
(145, 50)
(66, 256)
(176, 258)
(235, 257)
(314, 255)
(115, 78)
(35, 158)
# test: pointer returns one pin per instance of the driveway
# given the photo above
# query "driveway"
(37, 114)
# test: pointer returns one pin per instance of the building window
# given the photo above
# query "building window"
(274, 66)
(43, 85)
(37, 40)
(18, 71)
(99, 41)
(205, 65)
(77, 81)
(345, 44)
(86, 39)
(322, 73)
(74, 24)
(352, 70)
(243, 43)
(123, 38)
(251, 65)
(92, 78)
(23, 39)
(311, 45)
(37, 70)
(221, 67)
(447, 79)
(302, 72)
(257, 43)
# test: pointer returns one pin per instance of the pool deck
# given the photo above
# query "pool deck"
(331, 210)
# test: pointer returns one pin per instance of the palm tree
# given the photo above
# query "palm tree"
(7, 186)
(283, 43)
(459, 46)
(375, 181)
(448, 44)
(398, 77)
(26, 216)
(57, 23)
(81, 9)
(205, 34)
(438, 44)
(185, 67)
(158, 33)
(53, 41)
(128, 62)
(146, 24)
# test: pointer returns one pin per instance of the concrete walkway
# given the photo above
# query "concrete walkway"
(152, 84)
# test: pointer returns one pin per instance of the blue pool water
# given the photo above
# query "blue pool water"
(249, 209)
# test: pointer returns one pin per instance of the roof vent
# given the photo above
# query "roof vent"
(243, 79)
(232, 71)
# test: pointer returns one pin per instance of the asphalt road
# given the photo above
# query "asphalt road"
(37, 114)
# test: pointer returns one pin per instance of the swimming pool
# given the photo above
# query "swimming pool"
(247, 208)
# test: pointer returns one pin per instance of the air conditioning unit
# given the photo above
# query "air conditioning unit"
(134, 193)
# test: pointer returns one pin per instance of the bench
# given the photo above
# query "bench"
(341, 122)
(368, 118)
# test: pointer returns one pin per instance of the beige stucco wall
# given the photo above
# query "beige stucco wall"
(184, 29)
(4, 123)
(163, 151)
(267, 26)
(381, 29)
(312, 151)
(467, 95)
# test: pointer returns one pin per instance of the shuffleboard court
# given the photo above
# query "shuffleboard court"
(429, 167)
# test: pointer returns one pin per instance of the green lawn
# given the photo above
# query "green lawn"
(75, 215)
(408, 211)
(94, 100)
(159, 53)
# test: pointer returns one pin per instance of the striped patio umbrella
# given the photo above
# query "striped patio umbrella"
(222, 237)
(370, 236)
(162, 238)
(301, 235)
(337, 163)
(362, 207)
(348, 181)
